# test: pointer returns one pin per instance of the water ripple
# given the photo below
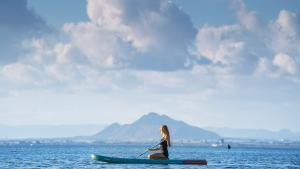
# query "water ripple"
(78, 156)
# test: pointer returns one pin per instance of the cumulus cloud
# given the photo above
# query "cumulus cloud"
(145, 24)
(246, 18)
(153, 44)
(286, 63)
(17, 22)
(285, 33)
(251, 44)
(218, 44)
(99, 47)
(150, 34)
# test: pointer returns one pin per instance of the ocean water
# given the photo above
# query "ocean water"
(78, 156)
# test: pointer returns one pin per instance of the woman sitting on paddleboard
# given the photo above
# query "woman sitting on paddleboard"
(163, 145)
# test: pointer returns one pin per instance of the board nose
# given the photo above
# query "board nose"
(93, 156)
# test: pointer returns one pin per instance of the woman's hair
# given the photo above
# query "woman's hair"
(166, 135)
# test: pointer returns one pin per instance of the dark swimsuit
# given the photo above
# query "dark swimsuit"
(164, 147)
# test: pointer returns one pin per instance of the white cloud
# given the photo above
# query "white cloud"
(155, 34)
(218, 44)
(99, 47)
(286, 63)
(248, 46)
(147, 45)
(246, 18)
(288, 23)
(146, 24)
(63, 52)
(285, 33)
(21, 73)
(263, 66)
(150, 35)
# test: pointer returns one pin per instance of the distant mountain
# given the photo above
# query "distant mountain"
(147, 129)
(255, 133)
(48, 131)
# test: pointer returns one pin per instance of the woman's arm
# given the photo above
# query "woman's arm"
(154, 149)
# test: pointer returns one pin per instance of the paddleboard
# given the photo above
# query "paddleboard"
(118, 160)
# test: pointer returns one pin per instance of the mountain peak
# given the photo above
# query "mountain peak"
(153, 117)
(146, 129)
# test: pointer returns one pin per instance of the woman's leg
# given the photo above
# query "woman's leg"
(157, 156)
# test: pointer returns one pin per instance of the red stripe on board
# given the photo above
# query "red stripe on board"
(199, 162)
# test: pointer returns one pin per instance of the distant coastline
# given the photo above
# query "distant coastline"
(235, 143)
(126, 134)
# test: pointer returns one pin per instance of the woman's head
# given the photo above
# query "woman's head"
(165, 133)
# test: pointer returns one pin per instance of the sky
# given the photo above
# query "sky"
(218, 63)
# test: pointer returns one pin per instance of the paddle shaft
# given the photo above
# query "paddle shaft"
(148, 150)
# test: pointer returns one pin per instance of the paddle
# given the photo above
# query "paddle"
(148, 150)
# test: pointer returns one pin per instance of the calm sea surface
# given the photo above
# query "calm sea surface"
(78, 156)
